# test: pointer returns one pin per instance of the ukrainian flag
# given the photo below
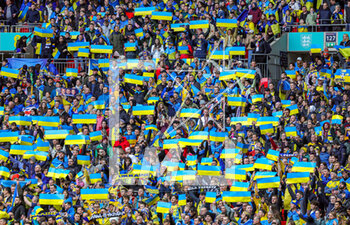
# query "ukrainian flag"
(163, 207)
(152, 100)
(189, 142)
(99, 104)
(261, 174)
(294, 110)
(152, 200)
(2, 109)
(182, 200)
(199, 24)
(130, 47)
(4, 155)
(191, 113)
(4, 172)
(171, 166)
(42, 156)
(345, 52)
(26, 140)
(270, 182)
(55, 54)
(9, 136)
(57, 173)
(326, 73)
(151, 127)
(71, 72)
(315, 48)
(144, 11)
(291, 74)
(227, 75)
(75, 46)
(77, 140)
(257, 98)
(84, 119)
(253, 117)
(170, 143)
(74, 34)
(236, 196)
(152, 189)
(84, 52)
(242, 120)
(21, 120)
(179, 27)
(38, 49)
(229, 23)
(208, 170)
(239, 186)
(246, 73)
(318, 130)
(188, 175)
(291, 131)
(83, 160)
(273, 155)
(94, 194)
(52, 121)
(235, 174)
(133, 79)
(277, 114)
(263, 163)
(139, 32)
(242, 147)
(337, 119)
(162, 15)
(42, 145)
(236, 101)
(268, 120)
(266, 128)
(183, 49)
(286, 103)
(48, 33)
(235, 50)
(298, 178)
(148, 74)
(199, 135)
(56, 134)
(218, 136)
(131, 139)
(7, 72)
(191, 160)
(96, 136)
(210, 197)
(143, 110)
(206, 161)
(342, 75)
(304, 167)
(229, 153)
(95, 177)
(219, 55)
(51, 199)
(103, 49)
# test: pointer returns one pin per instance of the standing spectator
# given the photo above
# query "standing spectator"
(33, 15)
(311, 19)
(347, 16)
(325, 15)
(11, 12)
(117, 40)
(255, 12)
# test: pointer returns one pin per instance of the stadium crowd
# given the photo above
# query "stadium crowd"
(162, 135)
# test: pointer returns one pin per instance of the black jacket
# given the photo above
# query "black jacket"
(33, 16)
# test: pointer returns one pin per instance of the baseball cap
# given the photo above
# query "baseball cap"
(299, 59)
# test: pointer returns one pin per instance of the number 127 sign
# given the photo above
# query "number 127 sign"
(330, 39)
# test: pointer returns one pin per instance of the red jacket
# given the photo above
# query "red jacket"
(122, 143)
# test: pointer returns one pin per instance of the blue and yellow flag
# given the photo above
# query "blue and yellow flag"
(71, 72)
(264, 174)
(266, 129)
(95, 177)
(229, 153)
(156, 15)
(294, 110)
(84, 52)
(170, 143)
(152, 100)
(235, 50)
(102, 49)
(77, 140)
(52, 121)
(218, 136)
(298, 178)
(239, 186)
(210, 197)
(236, 196)
(179, 27)
(191, 160)
(21, 120)
(273, 155)
(191, 113)
(208, 170)
(270, 182)
(94, 194)
(9, 136)
(96, 136)
(257, 98)
(47, 33)
(199, 135)
(84, 119)
(291, 74)
(226, 75)
(236, 101)
(7, 72)
(243, 147)
(206, 161)
(263, 163)
(75, 46)
(83, 160)
(21, 149)
(245, 73)
(56, 134)
(99, 104)
(189, 142)
(268, 120)
(182, 199)
(4, 155)
(304, 167)
(218, 54)
(133, 79)
(291, 131)
(144, 11)
(163, 207)
(139, 32)
(51, 199)
(4, 172)
(235, 174)
(337, 119)
(199, 24)
(228, 23)
(143, 110)
(130, 47)
(315, 48)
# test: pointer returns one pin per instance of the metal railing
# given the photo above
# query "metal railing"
(21, 27)
(320, 27)
(77, 63)
(269, 65)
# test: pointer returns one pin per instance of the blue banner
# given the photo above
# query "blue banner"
(9, 40)
(18, 63)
